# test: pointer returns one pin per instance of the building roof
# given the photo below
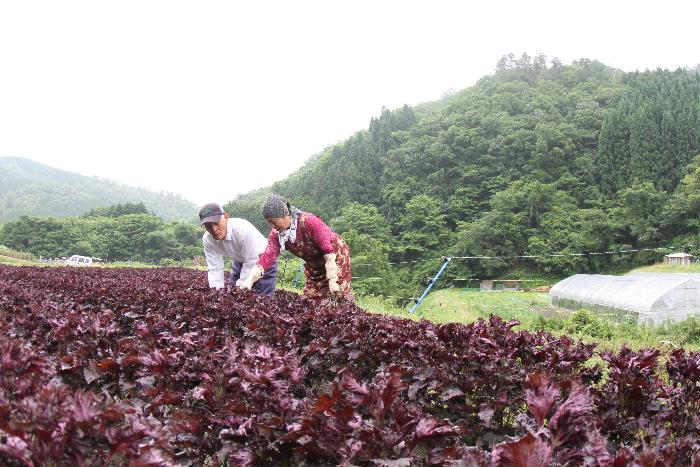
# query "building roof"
(679, 255)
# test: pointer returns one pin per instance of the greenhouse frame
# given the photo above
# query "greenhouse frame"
(647, 298)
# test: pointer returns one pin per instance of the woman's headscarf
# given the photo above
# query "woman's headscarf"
(276, 206)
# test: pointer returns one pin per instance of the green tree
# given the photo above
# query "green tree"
(495, 236)
(368, 236)
(248, 208)
(129, 238)
(365, 219)
(117, 210)
(531, 199)
(680, 216)
(370, 263)
(423, 228)
(574, 234)
(641, 210)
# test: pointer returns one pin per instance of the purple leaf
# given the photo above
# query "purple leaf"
(451, 393)
(14, 447)
(541, 395)
(528, 451)
(569, 421)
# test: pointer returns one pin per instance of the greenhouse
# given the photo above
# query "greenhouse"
(650, 298)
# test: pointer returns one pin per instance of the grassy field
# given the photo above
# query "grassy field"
(15, 258)
(470, 305)
(467, 306)
(16, 261)
(695, 267)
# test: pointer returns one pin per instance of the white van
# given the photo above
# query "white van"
(77, 260)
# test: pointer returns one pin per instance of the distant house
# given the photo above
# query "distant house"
(492, 285)
(500, 285)
(678, 258)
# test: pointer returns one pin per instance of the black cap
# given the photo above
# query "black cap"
(210, 212)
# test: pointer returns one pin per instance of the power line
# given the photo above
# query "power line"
(557, 255)
(548, 255)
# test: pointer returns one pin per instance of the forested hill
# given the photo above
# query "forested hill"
(33, 189)
(539, 157)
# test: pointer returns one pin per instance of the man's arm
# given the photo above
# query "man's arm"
(215, 262)
(252, 244)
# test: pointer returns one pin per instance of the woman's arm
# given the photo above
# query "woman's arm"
(320, 233)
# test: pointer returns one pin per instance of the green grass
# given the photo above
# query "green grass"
(455, 305)
(12, 261)
(467, 306)
(16, 258)
(663, 267)
(380, 305)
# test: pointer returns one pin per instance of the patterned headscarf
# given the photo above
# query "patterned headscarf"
(276, 206)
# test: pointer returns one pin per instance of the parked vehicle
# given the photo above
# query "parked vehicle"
(77, 260)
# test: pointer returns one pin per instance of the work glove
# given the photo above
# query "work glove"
(252, 278)
(332, 274)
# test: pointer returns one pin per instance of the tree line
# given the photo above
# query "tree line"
(122, 232)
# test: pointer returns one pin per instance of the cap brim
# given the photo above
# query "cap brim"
(214, 219)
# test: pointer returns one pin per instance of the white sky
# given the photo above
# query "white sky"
(214, 98)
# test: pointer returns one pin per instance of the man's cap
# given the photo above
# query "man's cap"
(210, 212)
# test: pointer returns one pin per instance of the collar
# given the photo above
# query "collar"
(229, 230)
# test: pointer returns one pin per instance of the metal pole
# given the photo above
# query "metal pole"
(301, 268)
(430, 286)
(284, 269)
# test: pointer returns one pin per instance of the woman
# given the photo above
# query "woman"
(326, 255)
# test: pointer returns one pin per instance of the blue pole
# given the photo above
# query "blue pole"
(296, 280)
(284, 270)
(430, 286)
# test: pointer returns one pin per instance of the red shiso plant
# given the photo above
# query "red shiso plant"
(151, 367)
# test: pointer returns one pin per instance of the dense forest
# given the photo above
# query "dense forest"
(28, 188)
(538, 158)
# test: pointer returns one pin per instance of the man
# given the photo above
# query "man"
(237, 239)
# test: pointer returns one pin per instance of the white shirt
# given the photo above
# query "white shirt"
(243, 243)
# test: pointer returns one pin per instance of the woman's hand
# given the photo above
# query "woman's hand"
(332, 274)
(334, 287)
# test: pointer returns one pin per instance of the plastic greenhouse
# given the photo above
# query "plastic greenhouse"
(645, 297)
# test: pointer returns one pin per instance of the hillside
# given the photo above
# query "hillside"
(33, 189)
(538, 158)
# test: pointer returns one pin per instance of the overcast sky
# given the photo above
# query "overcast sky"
(214, 98)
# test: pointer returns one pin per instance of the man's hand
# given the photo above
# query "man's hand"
(255, 274)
